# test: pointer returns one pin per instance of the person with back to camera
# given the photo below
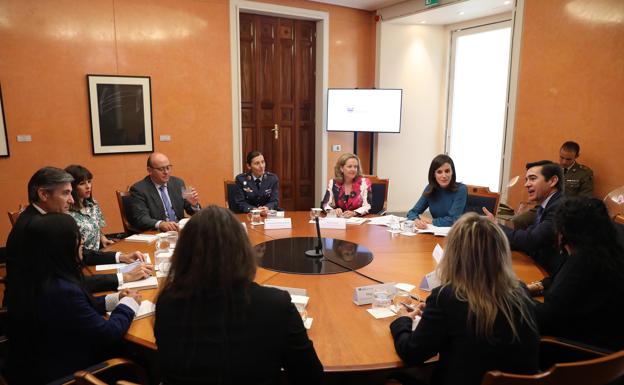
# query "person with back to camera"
(86, 210)
(257, 188)
(583, 298)
(56, 326)
(444, 196)
(348, 193)
(215, 325)
(481, 318)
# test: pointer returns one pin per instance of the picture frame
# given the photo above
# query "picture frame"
(121, 114)
(4, 142)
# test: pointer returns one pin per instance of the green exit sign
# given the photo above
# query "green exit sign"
(431, 2)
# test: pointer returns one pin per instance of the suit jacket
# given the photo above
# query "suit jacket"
(464, 357)
(539, 240)
(145, 206)
(17, 261)
(266, 335)
(249, 196)
(68, 334)
(583, 302)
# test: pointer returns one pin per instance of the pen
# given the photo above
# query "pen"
(408, 307)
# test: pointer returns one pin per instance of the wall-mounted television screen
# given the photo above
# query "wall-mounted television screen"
(364, 110)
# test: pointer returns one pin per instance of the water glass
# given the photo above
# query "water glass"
(331, 213)
(400, 298)
(271, 213)
(162, 244)
(173, 238)
(395, 225)
(254, 217)
(381, 300)
(315, 213)
(409, 226)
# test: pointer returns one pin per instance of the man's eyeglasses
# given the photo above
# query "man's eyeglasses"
(163, 169)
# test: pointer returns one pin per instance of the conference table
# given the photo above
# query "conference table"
(345, 336)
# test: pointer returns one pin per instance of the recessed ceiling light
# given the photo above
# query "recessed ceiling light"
(507, 2)
(462, 12)
(422, 22)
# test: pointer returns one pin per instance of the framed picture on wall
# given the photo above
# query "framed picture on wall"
(4, 143)
(121, 114)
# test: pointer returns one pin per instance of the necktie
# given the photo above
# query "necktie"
(565, 171)
(258, 183)
(540, 211)
(168, 209)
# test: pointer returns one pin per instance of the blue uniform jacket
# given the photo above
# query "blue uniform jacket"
(248, 196)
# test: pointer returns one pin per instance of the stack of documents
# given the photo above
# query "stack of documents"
(356, 221)
(147, 238)
(147, 283)
(435, 230)
(385, 220)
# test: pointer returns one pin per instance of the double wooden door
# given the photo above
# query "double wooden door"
(277, 65)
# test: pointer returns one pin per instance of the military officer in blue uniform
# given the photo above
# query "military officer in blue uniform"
(256, 187)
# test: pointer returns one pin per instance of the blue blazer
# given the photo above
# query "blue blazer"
(248, 196)
(69, 334)
(538, 240)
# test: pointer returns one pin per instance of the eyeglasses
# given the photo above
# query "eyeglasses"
(163, 169)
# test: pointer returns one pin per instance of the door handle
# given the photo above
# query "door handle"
(275, 130)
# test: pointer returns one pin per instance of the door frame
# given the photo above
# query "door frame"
(322, 70)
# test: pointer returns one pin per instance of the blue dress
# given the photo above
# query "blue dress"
(445, 206)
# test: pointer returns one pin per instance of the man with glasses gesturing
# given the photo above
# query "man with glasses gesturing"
(157, 202)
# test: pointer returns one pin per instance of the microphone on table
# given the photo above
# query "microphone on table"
(317, 252)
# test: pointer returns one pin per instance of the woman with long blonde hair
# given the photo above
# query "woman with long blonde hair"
(481, 317)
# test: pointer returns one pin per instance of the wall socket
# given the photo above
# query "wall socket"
(165, 138)
(336, 148)
(24, 138)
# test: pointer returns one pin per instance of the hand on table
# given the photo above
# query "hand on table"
(263, 210)
(168, 226)
(132, 257)
(348, 214)
(132, 293)
(142, 271)
(421, 224)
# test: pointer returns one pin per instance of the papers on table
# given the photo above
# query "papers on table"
(115, 266)
(435, 230)
(333, 223)
(381, 312)
(356, 221)
(385, 220)
(277, 223)
(146, 309)
(432, 280)
(147, 283)
(147, 238)
(182, 222)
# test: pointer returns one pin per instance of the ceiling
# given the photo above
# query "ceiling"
(440, 15)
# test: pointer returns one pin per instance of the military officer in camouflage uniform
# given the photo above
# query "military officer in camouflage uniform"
(577, 178)
(256, 188)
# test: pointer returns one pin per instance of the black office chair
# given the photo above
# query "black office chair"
(479, 197)
(379, 191)
(230, 187)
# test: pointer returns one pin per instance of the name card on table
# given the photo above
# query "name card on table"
(277, 223)
(432, 279)
(333, 223)
(363, 295)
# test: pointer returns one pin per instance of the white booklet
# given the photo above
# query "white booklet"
(435, 230)
(148, 238)
(147, 283)
(146, 309)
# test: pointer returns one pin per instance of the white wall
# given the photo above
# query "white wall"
(412, 57)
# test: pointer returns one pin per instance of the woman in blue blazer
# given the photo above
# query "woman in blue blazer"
(445, 198)
(56, 326)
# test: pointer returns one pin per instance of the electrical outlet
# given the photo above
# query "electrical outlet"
(165, 138)
(336, 148)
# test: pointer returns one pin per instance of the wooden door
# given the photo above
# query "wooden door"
(277, 101)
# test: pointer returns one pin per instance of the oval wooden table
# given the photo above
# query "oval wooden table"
(346, 336)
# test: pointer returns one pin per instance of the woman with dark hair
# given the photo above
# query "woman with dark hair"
(583, 297)
(257, 188)
(481, 318)
(55, 325)
(444, 196)
(85, 210)
(348, 193)
(215, 325)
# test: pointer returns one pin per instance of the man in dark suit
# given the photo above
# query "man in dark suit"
(544, 183)
(157, 201)
(49, 190)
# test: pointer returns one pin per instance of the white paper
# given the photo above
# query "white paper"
(308, 323)
(381, 312)
(438, 253)
(356, 221)
(405, 287)
(409, 234)
(333, 223)
(415, 322)
(435, 230)
(299, 300)
(147, 238)
(129, 267)
(146, 309)
(147, 283)
(183, 222)
(277, 223)
(385, 220)
(112, 266)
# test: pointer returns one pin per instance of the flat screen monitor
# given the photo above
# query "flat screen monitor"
(364, 110)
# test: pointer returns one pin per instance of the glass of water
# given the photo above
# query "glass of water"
(381, 300)
(162, 243)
